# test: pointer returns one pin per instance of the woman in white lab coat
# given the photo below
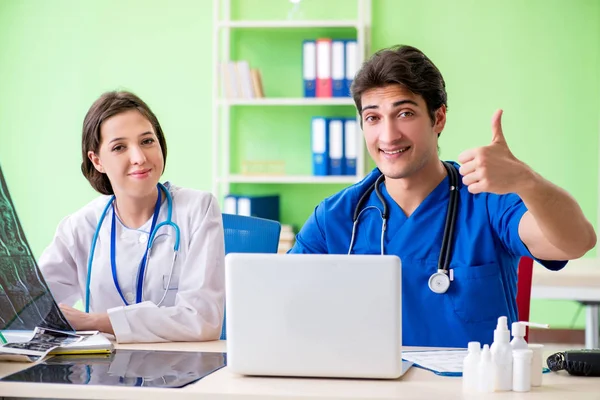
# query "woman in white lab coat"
(124, 153)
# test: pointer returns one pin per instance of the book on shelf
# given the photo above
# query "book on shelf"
(259, 206)
(257, 83)
(334, 142)
(240, 81)
(328, 67)
(287, 238)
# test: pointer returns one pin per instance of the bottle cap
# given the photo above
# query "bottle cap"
(474, 347)
(486, 355)
(502, 324)
(518, 329)
(502, 334)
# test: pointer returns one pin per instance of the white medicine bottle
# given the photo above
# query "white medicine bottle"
(522, 370)
(486, 371)
(519, 330)
(502, 356)
(471, 367)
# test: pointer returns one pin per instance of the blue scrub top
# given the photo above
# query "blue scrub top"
(485, 257)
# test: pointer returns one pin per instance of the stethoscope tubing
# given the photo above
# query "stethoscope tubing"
(152, 237)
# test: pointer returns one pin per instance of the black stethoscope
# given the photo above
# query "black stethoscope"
(439, 282)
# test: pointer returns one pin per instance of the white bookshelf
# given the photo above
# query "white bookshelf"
(283, 101)
(236, 178)
(289, 24)
(221, 135)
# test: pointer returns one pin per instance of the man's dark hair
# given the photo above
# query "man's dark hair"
(406, 66)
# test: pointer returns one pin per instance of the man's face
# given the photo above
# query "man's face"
(399, 134)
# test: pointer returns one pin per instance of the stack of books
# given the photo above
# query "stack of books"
(240, 81)
(287, 238)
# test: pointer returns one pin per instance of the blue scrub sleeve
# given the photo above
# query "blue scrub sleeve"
(505, 213)
(311, 238)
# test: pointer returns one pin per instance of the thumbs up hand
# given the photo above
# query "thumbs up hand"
(493, 168)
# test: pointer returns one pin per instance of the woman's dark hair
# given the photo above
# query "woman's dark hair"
(109, 105)
(406, 66)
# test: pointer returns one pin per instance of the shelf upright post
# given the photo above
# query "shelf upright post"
(216, 93)
(226, 110)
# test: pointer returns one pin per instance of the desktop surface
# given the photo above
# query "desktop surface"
(224, 384)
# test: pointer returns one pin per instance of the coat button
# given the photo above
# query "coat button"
(143, 238)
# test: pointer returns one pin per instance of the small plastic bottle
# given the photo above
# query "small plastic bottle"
(471, 367)
(522, 370)
(519, 330)
(502, 356)
(486, 371)
(537, 364)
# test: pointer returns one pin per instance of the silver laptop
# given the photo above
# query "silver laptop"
(314, 315)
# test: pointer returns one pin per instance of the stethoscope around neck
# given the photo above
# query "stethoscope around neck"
(145, 261)
(439, 281)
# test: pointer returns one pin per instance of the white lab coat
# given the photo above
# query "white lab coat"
(193, 307)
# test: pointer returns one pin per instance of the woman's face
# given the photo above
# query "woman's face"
(129, 154)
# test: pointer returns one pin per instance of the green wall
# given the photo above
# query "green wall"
(539, 60)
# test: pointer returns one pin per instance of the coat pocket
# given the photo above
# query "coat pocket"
(477, 293)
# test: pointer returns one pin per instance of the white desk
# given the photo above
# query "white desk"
(579, 281)
(416, 384)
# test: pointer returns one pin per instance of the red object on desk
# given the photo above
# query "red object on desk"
(524, 276)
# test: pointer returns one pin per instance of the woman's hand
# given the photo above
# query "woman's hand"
(81, 321)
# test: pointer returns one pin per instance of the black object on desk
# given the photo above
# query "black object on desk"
(163, 369)
(576, 362)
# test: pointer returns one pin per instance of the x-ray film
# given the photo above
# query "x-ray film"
(25, 299)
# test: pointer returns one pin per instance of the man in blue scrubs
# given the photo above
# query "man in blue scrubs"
(505, 209)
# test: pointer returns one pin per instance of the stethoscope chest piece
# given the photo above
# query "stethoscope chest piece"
(439, 282)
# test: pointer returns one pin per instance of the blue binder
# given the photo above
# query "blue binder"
(351, 54)
(320, 146)
(309, 68)
(338, 68)
(336, 146)
(230, 204)
(259, 206)
(350, 145)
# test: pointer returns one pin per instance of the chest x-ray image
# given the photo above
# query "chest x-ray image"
(25, 299)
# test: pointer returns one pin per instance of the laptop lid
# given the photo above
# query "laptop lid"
(314, 315)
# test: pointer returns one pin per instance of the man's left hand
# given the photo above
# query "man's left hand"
(493, 168)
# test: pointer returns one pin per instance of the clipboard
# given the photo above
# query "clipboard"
(440, 362)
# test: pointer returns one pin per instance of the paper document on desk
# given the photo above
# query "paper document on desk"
(39, 346)
(440, 362)
(94, 343)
